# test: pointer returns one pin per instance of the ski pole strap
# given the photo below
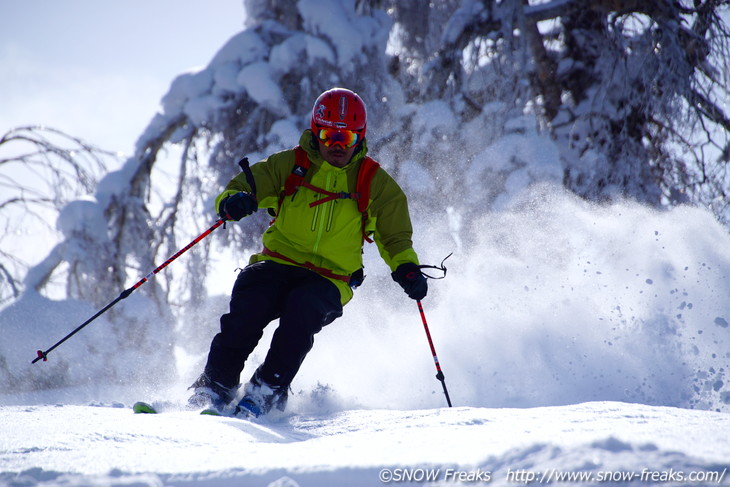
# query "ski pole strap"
(441, 268)
(307, 265)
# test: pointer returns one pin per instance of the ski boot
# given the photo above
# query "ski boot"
(259, 397)
(210, 395)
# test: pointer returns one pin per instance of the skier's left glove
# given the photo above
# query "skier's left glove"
(412, 281)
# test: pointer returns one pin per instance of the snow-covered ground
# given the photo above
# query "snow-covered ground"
(575, 339)
(583, 444)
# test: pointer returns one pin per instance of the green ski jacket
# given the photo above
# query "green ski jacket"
(328, 235)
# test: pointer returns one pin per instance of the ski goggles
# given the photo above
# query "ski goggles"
(344, 138)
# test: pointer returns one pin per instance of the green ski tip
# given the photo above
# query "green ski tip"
(210, 412)
(143, 408)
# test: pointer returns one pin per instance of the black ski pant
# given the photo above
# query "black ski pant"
(301, 299)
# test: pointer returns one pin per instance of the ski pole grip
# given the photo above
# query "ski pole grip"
(249, 175)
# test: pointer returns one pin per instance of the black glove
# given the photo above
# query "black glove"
(409, 277)
(237, 206)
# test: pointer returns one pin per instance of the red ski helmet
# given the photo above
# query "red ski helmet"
(339, 109)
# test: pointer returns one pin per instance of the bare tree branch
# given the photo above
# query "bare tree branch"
(41, 169)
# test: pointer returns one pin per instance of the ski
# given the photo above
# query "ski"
(141, 407)
(211, 412)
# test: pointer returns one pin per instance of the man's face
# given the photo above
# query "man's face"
(336, 155)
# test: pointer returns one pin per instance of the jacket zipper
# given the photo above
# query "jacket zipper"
(322, 217)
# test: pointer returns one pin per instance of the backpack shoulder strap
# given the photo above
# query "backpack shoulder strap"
(296, 177)
(294, 180)
(368, 168)
(365, 175)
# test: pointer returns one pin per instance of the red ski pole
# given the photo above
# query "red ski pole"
(439, 372)
(249, 177)
(44, 355)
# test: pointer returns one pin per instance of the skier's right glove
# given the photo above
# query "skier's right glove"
(237, 206)
(412, 281)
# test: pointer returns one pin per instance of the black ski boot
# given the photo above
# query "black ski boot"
(209, 394)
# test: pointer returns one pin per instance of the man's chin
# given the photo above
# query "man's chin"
(338, 159)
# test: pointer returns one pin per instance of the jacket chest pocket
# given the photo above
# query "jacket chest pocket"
(334, 213)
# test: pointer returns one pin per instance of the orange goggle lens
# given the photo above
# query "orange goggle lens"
(343, 138)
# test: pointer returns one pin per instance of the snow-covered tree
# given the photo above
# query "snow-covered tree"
(626, 95)
(631, 91)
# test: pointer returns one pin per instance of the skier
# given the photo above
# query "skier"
(312, 252)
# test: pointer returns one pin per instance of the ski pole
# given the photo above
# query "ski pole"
(44, 355)
(249, 177)
(439, 372)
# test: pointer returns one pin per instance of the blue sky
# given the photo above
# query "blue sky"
(97, 69)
